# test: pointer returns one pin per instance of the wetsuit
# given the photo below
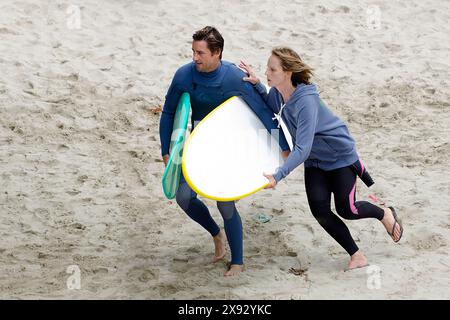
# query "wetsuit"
(207, 91)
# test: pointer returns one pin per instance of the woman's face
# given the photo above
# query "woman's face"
(276, 76)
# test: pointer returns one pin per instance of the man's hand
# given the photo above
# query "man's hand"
(165, 159)
(272, 181)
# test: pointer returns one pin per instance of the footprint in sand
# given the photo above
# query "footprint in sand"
(7, 31)
(148, 275)
(427, 241)
(63, 147)
(168, 290)
(143, 275)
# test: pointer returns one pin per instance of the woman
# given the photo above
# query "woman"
(322, 141)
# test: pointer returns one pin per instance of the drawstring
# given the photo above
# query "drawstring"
(278, 116)
(284, 128)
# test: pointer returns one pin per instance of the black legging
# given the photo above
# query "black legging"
(342, 183)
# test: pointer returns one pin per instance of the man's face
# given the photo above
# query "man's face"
(205, 60)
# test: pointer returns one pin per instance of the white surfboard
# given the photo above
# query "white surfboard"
(227, 153)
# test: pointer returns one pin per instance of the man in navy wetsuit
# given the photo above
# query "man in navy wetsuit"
(210, 81)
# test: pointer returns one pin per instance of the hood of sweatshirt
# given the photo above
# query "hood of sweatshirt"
(303, 90)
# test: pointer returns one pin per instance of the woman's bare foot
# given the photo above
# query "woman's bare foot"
(219, 244)
(388, 221)
(234, 270)
(357, 260)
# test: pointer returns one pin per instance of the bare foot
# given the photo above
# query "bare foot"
(234, 270)
(388, 222)
(219, 244)
(358, 260)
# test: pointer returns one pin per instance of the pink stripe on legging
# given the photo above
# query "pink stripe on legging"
(351, 199)
(362, 167)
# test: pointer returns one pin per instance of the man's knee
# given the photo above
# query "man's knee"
(226, 209)
(183, 199)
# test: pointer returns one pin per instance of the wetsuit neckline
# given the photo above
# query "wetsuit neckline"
(211, 74)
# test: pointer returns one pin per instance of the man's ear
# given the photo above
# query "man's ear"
(218, 53)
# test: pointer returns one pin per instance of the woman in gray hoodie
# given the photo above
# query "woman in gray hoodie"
(321, 141)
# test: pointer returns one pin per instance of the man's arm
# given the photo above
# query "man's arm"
(167, 116)
(261, 89)
(264, 113)
(235, 85)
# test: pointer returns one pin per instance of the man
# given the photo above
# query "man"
(210, 81)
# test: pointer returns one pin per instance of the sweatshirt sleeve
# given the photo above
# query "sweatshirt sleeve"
(304, 136)
(167, 117)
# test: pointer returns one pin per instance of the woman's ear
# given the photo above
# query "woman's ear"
(288, 74)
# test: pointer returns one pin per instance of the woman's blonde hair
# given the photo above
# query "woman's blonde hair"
(291, 61)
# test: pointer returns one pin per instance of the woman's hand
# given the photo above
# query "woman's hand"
(251, 77)
(272, 181)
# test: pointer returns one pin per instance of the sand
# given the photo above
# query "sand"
(80, 163)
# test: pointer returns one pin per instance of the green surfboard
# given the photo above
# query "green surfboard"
(172, 173)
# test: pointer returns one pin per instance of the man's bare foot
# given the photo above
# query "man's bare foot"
(219, 244)
(388, 221)
(234, 270)
(358, 260)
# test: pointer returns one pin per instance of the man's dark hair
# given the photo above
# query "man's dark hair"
(212, 37)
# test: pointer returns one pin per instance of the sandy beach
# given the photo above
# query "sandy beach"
(81, 89)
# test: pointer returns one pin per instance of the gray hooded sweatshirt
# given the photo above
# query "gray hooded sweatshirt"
(320, 139)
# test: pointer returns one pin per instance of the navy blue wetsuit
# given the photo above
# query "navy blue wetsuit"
(207, 91)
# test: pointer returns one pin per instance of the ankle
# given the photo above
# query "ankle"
(357, 254)
(218, 236)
